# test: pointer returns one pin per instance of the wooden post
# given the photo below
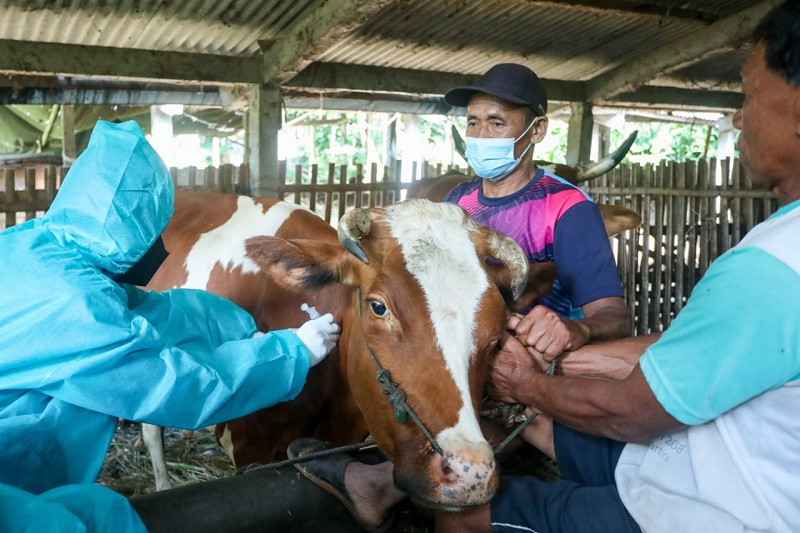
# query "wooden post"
(30, 192)
(11, 216)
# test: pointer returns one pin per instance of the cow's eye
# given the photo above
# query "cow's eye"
(377, 307)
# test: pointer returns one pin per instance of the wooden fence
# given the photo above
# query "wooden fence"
(692, 212)
(332, 190)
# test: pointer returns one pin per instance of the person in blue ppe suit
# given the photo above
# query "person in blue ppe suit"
(80, 348)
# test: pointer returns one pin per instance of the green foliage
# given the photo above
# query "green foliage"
(659, 141)
(341, 138)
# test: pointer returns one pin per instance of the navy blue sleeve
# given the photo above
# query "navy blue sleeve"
(583, 257)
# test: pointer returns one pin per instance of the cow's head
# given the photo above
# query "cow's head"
(434, 288)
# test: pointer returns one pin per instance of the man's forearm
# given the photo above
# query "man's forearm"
(606, 319)
(612, 360)
(624, 410)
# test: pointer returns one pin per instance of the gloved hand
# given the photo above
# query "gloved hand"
(319, 336)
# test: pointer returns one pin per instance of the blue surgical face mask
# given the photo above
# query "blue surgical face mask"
(493, 158)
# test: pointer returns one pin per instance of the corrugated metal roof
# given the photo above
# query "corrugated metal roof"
(556, 41)
(224, 27)
(565, 40)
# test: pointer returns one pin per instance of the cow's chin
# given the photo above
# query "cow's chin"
(439, 497)
(446, 507)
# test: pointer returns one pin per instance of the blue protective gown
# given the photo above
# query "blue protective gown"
(79, 351)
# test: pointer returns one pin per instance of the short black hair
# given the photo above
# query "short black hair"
(779, 30)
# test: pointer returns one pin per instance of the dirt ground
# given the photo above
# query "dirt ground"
(192, 457)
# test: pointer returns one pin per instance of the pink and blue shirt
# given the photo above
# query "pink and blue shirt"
(554, 222)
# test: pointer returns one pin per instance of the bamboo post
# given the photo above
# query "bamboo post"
(342, 190)
(50, 179)
(704, 219)
(209, 178)
(680, 217)
(358, 184)
(226, 178)
(30, 192)
(625, 180)
(11, 193)
(312, 202)
(644, 268)
(244, 179)
(329, 203)
(724, 208)
(373, 197)
(659, 291)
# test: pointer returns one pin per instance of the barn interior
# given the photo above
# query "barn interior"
(244, 63)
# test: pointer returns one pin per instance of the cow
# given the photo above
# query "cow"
(616, 218)
(418, 284)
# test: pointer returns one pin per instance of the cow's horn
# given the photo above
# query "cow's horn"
(459, 143)
(352, 226)
(508, 252)
(592, 170)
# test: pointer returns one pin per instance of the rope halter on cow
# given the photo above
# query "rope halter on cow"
(397, 397)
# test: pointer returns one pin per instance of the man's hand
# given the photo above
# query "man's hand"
(510, 371)
(546, 334)
(319, 337)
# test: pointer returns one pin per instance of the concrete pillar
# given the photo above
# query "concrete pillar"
(579, 137)
(264, 120)
(69, 150)
(726, 143)
(161, 134)
(411, 148)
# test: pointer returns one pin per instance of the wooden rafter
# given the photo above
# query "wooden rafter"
(709, 39)
(320, 26)
(124, 63)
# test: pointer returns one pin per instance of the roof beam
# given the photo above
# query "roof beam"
(628, 8)
(125, 63)
(677, 98)
(397, 80)
(707, 40)
(323, 23)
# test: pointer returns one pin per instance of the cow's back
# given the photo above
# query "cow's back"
(205, 239)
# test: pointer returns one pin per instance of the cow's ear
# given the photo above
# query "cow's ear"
(541, 277)
(301, 263)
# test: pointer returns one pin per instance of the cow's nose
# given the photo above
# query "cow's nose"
(466, 474)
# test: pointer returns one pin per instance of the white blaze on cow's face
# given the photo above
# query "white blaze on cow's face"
(438, 252)
(225, 244)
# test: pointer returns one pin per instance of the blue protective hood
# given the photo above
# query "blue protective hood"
(129, 205)
(78, 350)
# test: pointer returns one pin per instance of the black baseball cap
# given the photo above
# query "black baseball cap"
(508, 81)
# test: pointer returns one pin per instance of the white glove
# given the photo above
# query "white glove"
(319, 336)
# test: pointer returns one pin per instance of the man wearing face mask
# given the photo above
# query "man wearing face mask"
(81, 346)
(551, 219)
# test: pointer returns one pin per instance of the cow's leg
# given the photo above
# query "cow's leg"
(153, 437)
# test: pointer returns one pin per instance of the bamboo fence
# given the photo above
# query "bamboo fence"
(692, 212)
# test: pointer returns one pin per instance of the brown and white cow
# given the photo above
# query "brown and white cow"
(434, 288)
